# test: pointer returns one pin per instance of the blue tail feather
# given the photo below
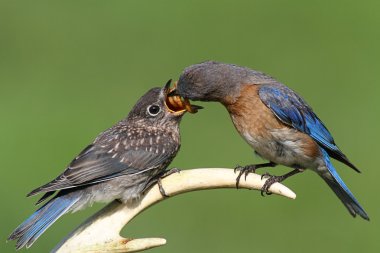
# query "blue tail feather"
(32, 228)
(341, 189)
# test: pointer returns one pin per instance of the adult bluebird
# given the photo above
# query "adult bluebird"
(279, 125)
(122, 163)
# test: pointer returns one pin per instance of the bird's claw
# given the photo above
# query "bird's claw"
(169, 172)
(166, 174)
(175, 170)
(238, 168)
(266, 174)
(161, 188)
(243, 170)
(250, 169)
(268, 183)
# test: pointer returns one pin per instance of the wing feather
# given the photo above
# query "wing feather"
(101, 162)
(292, 110)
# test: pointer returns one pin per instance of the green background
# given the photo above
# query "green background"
(70, 69)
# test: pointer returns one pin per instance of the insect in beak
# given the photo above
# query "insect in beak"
(176, 103)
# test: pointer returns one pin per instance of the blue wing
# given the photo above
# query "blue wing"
(292, 110)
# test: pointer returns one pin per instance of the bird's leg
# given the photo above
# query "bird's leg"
(162, 176)
(276, 179)
(250, 169)
(167, 173)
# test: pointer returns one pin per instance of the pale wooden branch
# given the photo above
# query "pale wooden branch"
(100, 233)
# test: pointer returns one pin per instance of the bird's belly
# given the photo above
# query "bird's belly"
(269, 137)
(285, 146)
(126, 188)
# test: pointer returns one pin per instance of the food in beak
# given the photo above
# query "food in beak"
(177, 103)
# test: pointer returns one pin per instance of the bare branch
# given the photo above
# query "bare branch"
(100, 233)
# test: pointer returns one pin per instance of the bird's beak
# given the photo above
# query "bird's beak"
(173, 91)
(177, 104)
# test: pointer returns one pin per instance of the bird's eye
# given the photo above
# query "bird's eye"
(153, 110)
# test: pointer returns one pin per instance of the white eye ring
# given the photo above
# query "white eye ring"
(153, 110)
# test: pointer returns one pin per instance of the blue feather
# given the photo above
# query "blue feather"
(341, 189)
(292, 110)
(32, 228)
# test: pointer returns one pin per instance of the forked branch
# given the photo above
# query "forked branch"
(100, 233)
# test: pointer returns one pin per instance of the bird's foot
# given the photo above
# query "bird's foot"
(161, 188)
(166, 174)
(169, 172)
(275, 179)
(249, 169)
(244, 170)
(271, 179)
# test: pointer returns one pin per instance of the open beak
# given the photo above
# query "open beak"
(173, 91)
(177, 104)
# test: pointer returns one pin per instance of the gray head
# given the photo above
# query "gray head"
(215, 81)
(154, 107)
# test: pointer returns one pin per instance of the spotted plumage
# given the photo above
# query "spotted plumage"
(121, 163)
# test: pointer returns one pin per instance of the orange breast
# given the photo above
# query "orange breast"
(259, 126)
(249, 113)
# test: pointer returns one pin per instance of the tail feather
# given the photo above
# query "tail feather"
(31, 229)
(333, 180)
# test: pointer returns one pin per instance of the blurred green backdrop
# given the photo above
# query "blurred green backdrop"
(70, 69)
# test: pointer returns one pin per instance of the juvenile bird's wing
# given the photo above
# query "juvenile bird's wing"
(292, 110)
(98, 163)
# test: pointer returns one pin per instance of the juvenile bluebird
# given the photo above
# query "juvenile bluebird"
(276, 122)
(122, 163)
